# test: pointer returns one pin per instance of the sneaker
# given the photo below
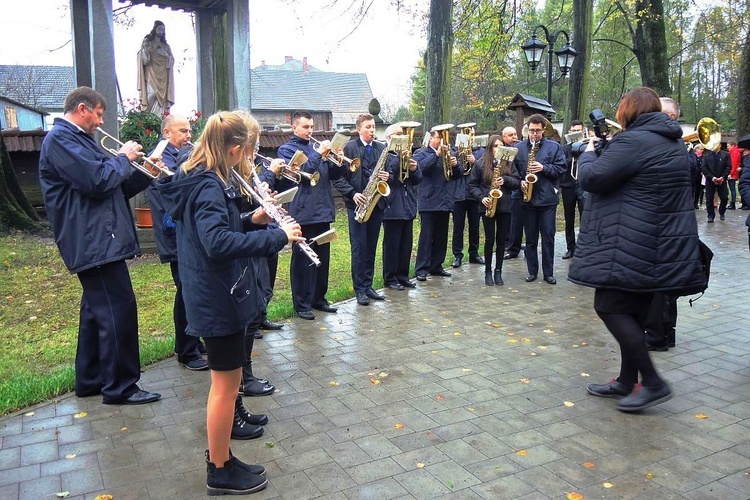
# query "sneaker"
(232, 479)
(613, 389)
(196, 365)
(645, 397)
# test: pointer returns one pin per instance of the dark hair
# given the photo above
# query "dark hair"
(537, 119)
(638, 101)
(152, 35)
(83, 95)
(575, 123)
(488, 160)
(300, 114)
(363, 118)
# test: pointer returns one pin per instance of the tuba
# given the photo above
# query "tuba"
(707, 132)
(530, 178)
(445, 145)
(464, 143)
(404, 152)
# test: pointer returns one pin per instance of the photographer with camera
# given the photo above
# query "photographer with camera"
(638, 237)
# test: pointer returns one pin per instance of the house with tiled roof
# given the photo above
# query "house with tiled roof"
(41, 87)
(333, 99)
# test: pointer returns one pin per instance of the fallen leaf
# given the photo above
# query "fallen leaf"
(525, 381)
(495, 325)
(457, 334)
(333, 383)
(525, 339)
(513, 341)
(574, 495)
(542, 347)
(575, 345)
(188, 393)
(104, 497)
(426, 320)
(29, 414)
(70, 456)
(522, 453)
(399, 426)
(608, 485)
(701, 416)
(584, 374)
(434, 352)
(548, 331)
(533, 354)
(420, 465)
(569, 403)
(57, 431)
(383, 375)
(270, 445)
(335, 338)
(323, 328)
(62, 494)
(450, 484)
(471, 409)
(81, 414)
(440, 397)
(467, 370)
(649, 475)
(371, 374)
(584, 343)
(588, 465)
(123, 429)
(374, 381)
(256, 354)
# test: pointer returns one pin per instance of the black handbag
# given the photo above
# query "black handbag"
(706, 255)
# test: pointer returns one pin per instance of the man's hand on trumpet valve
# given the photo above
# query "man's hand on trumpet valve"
(359, 199)
(132, 150)
(325, 147)
(276, 166)
(156, 160)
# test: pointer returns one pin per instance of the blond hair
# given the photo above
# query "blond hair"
(245, 165)
(223, 130)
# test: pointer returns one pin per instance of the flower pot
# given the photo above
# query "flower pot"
(143, 218)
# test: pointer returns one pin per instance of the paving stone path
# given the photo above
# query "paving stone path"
(454, 389)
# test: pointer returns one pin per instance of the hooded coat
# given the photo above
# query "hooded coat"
(638, 230)
(220, 281)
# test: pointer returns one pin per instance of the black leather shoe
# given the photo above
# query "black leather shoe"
(551, 280)
(457, 262)
(657, 347)
(721, 217)
(442, 272)
(374, 295)
(268, 325)
(248, 417)
(326, 308)
(488, 278)
(568, 255)
(196, 365)
(476, 259)
(408, 284)
(710, 220)
(509, 256)
(421, 277)
(139, 397)
(499, 277)
(645, 397)
(243, 430)
(395, 286)
(257, 334)
(258, 470)
(732, 206)
(362, 299)
(306, 314)
(256, 387)
(530, 278)
(614, 389)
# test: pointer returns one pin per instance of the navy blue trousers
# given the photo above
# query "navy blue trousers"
(536, 221)
(309, 283)
(516, 227)
(433, 242)
(185, 346)
(398, 239)
(107, 357)
(364, 243)
(462, 210)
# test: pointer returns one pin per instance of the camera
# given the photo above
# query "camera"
(601, 128)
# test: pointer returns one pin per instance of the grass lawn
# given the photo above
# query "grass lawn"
(39, 306)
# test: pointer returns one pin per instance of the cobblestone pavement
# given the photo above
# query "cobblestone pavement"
(453, 389)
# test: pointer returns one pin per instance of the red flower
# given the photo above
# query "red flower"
(197, 114)
(148, 130)
(140, 123)
(166, 113)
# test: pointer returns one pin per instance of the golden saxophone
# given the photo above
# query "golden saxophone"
(373, 191)
(495, 192)
(530, 178)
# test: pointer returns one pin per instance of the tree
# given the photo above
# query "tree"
(579, 74)
(650, 45)
(15, 210)
(743, 90)
(438, 60)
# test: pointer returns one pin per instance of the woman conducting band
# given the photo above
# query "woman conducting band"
(221, 289)
(638, 236)
(489, 174)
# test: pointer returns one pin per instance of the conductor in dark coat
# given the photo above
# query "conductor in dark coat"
(638, 237)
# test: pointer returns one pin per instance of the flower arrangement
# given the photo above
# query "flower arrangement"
(141, 126)
(197, 122)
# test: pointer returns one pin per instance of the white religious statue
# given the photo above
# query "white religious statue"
(156, 71)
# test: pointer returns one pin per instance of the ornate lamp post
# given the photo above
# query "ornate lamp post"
(534, 48)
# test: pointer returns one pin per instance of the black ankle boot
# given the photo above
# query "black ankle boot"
(488, 278)
(232, 479)
(243, 430)
(253, 386)
(499, 277)
(248, 417)
(252, 469)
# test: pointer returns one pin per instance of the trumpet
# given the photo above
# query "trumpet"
(337, 158)
(289, 172)
(141, 168)
(445, 145)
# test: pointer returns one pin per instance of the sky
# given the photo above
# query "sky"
(386, 45)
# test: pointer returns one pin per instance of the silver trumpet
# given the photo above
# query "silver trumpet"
(262, 197)
(290, 173)
(141, 168)
(337, 158)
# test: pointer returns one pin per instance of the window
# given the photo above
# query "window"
(11, 119)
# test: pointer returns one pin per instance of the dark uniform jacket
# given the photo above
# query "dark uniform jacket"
(478, 190)
(744, 185)
(351, 183)
(462, 183)
(311, 205)
(638, 230)
(715, 165)
(402, 203)
(86, 195)
(550, 155)
(435, 193)
(164, 226)
(220, 283)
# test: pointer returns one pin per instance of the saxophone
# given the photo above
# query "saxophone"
(373, 191)
(495, 192)
(530, 178)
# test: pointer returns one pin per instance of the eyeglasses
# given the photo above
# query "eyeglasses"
(536, 130)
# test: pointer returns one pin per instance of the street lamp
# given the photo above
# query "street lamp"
(534, 48)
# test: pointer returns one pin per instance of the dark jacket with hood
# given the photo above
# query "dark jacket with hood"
(478, 190)
(638, 230)
(86, 195)
(220, 283)
(551, 156)
(435, 193)
(402, 203)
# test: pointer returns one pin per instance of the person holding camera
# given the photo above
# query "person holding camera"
(572, 196)
(638, 237)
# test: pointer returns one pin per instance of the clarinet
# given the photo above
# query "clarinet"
(276, 213)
